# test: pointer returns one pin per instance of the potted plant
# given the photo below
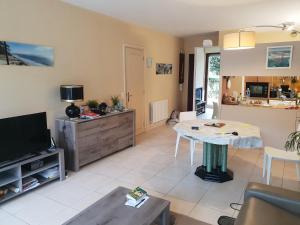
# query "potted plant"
(115, 100)
(293, 142)
(117, 104)
(93, 105)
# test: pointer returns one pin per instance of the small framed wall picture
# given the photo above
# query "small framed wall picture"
(164, 69)
(279, 57)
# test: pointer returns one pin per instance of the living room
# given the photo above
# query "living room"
(124, 68)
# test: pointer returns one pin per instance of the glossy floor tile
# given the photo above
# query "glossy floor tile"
(150, 164)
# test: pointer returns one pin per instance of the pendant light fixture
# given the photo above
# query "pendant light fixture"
(245, 39)
(239, 40)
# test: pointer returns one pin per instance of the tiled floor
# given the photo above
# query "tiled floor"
(152, 165)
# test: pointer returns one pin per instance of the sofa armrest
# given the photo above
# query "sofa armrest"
(282, 198)
(258, 212)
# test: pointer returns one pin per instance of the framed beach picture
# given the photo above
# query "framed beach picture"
(279, 57)
(21, 54)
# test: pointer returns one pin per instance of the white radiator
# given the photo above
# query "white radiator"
(159, 111)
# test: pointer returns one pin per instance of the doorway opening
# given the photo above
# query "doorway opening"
(204, 81)
(191, 69)
(212, 78)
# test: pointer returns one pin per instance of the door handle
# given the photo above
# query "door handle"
(128, 96)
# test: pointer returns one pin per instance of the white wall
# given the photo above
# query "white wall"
(252, 62)
(199, 67)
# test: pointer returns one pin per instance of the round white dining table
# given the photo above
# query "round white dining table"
(215, 144)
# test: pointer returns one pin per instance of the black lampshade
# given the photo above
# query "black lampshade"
(71, 93)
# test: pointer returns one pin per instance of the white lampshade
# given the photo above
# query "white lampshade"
(239, 40)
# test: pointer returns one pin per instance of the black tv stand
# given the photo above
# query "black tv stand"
(13, 177)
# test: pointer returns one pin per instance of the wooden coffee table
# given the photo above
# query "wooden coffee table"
(110, 210)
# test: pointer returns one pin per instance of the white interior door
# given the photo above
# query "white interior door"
(135, 90)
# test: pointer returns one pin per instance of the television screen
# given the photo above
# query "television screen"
(198, 93)
(23, 135)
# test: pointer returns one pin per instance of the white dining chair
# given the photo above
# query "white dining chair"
(277, 154)
(215, 114)
(185, 116)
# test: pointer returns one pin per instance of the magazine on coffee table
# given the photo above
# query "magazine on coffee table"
(136, 198)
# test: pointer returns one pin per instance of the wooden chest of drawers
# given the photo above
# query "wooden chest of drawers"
(85, 141)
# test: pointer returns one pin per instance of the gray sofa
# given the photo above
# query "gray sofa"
(267, 205)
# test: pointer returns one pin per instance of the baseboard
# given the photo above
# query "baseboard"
(155, 125)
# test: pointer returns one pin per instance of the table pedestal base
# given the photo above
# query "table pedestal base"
(216, 175)
(214, 166)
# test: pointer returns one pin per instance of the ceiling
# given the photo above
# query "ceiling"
(187, 17)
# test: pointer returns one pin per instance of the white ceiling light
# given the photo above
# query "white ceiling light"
(239, 40)
(207, 43)
(290, 28)
(287, 26)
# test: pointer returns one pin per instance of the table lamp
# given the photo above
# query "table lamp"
(72, 93)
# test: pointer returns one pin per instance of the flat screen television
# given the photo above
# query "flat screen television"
(23, 135)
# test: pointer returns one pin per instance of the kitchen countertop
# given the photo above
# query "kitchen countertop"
(286, 107)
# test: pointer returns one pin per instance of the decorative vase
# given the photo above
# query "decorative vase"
(73, 111)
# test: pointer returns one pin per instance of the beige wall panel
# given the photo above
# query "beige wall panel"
(88, 50)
